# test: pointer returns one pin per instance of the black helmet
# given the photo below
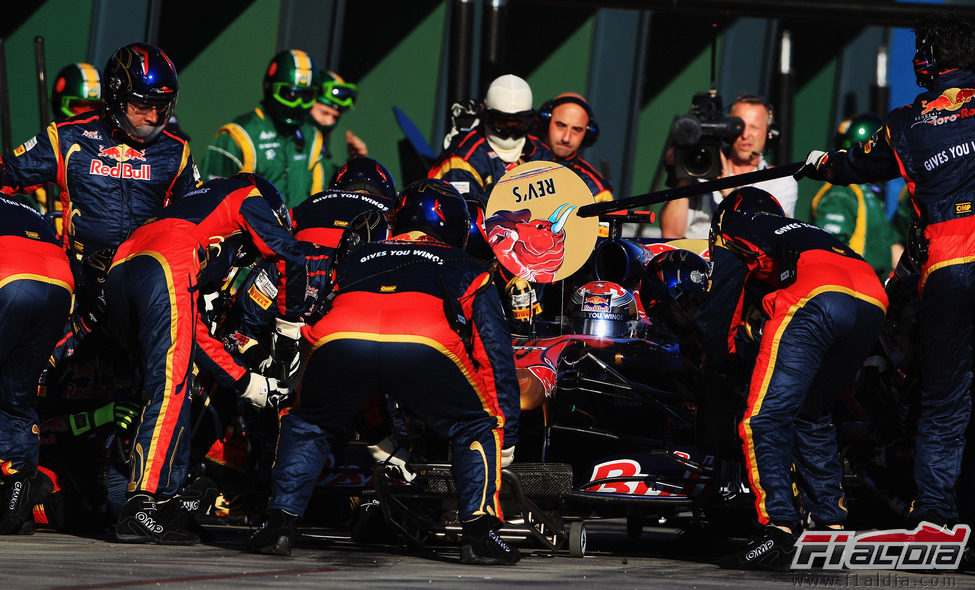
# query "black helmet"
(743, 201)
(271, 196)
(290, 86)
(435, 208)
(77, 88)
(857, 129)
(141, 74)
(364, 174)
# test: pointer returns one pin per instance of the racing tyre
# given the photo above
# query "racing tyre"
(634, 526)
(577, 539)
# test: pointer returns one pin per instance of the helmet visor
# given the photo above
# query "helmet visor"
(72, 105)
(294, 96)
(508, 125)
(341, 95)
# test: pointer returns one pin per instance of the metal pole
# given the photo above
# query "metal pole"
(880, 91)
(41, 81)
(785, 86)
(461, 49)
(492, 42)
(4, 100)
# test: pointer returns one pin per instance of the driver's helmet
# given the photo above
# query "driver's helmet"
(603, 308)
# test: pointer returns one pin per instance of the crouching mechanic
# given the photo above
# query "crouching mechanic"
(153, 287)
(35, 301)
(357, 205)
(825, 308)
(418, 318)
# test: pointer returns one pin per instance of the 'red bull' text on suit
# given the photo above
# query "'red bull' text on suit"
(825, 308)
(153, 287)
(35, 301)
(388, 332)
(108, 187)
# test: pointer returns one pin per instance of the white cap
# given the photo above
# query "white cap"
(509, 94)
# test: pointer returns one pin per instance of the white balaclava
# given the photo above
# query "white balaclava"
(507, 94)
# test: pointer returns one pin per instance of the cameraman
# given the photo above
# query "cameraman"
(691, 217)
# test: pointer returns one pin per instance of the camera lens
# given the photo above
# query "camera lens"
(699, 161)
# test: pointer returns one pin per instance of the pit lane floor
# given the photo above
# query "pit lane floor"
(326, 558)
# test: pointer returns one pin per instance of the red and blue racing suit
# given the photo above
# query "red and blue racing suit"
(825, 309)
(388, 332)
(153, 287)
(929, 143)
(35, 301)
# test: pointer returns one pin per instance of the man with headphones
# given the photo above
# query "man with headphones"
(566, 124)
(691, 217)
(928, 143)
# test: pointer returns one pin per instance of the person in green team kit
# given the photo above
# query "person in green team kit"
(278, 139)
(857, 214)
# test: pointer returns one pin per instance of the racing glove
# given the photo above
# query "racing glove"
(122, 414)
(813, 168)
(507, 456)
(260, 391)
(251, 351)
(287, 346)
(394, 459)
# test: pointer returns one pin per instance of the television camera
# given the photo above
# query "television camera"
(697, 136)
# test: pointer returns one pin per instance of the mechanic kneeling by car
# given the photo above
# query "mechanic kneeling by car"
(825, 310)
(418, 318)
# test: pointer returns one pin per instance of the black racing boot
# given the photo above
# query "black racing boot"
(482, 545)
(276, 533)
(19, 493)
(144, 520)
(772, 550)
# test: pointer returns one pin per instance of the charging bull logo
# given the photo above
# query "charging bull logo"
(122, 154)
(533, 249)
(951, 99)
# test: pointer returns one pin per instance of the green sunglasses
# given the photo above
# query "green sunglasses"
(339, 94)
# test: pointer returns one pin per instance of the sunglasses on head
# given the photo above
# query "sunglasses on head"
(294, 96)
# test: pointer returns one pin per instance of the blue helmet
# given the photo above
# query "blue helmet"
(435, 208)
(143, 75)
(364, 174)
(680, 275)
(477, 242)
(674, 286)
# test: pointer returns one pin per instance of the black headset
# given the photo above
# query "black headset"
(925, 66)
(545, 117)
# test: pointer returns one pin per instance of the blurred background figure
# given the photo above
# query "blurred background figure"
(335, 97)
(857, 214)
(277, 139)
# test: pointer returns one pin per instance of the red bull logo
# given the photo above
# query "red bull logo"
(595, 303)
(951, 99)
(122, 154)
